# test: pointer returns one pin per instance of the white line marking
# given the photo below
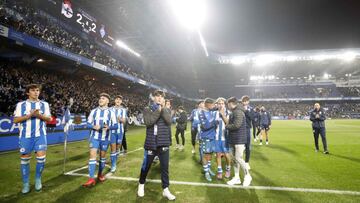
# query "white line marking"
(135, 150)
(84, 167)
(341, 192)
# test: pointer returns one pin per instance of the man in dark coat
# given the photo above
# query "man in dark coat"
(157, 119)
(317, 116)
(236, 125)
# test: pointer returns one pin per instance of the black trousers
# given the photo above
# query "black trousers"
(254, 128)
(322, 132)
(149, 155)
(247, 146)
(194, 132)
(124, 144)
(182, 136)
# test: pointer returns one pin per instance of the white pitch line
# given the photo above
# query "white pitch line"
(341, 192)
(84, 167)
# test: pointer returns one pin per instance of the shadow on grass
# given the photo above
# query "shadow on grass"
(73, 158)
(281, 148)
(268, 182)
(258, 155)
(48, 185)
(356, 160)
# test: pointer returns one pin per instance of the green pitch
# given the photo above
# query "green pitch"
(288, 162)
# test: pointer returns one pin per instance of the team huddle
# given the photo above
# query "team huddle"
(222, 127)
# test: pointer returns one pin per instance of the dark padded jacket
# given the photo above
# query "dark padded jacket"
(158, 124)
(237, 126)
(181, 121)
(318, 122)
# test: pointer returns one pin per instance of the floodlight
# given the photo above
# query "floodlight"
(191, 13)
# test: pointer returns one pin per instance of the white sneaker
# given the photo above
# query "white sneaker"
(140, 191)
(168, 195)
(247, 180)
(255, 139)
(193, 151)
(181, 147)
(247, 165)
(267, 143)
(234, 181)
(260, 143)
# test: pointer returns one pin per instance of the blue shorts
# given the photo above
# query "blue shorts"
(27, 145)
(102, 145)
(264, 127)
(207, 146)
(221, 146)
(116, 138)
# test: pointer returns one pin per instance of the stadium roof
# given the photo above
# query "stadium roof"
(232, 26)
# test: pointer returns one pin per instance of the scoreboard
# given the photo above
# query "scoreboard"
(75, 16)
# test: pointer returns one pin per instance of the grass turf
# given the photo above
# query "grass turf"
(289, 161)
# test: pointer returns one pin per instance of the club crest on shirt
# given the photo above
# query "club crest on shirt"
(150, 152)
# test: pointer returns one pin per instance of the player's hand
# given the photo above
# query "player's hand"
(96, 127)
(222, 112)
(106, 127)
(33, 112)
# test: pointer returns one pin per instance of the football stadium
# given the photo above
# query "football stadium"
(179, 100)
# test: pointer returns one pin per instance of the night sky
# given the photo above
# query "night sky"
(236, 26)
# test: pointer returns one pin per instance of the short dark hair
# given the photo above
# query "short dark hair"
(105, 95)
(209, 101)
(232, 100)
(245, 98)
(167, 100)
(32, 86)
(180, 107)
(118, 96)
(199, 102)
(159, 93)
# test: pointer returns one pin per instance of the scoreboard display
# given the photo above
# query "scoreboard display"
(75, 16)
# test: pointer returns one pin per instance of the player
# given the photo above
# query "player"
(181, 123)
(221, 144)
(32, 115)
(195, 125)
(101, 120)
(117, 135)
(157, 119)
(256, 123)
(208, 125)
(265, 124)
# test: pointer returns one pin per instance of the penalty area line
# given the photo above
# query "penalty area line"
(289, 189)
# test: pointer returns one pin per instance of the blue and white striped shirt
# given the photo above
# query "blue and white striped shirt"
(33, 127)
(120, 112)
(102, 116)
(220, 130)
